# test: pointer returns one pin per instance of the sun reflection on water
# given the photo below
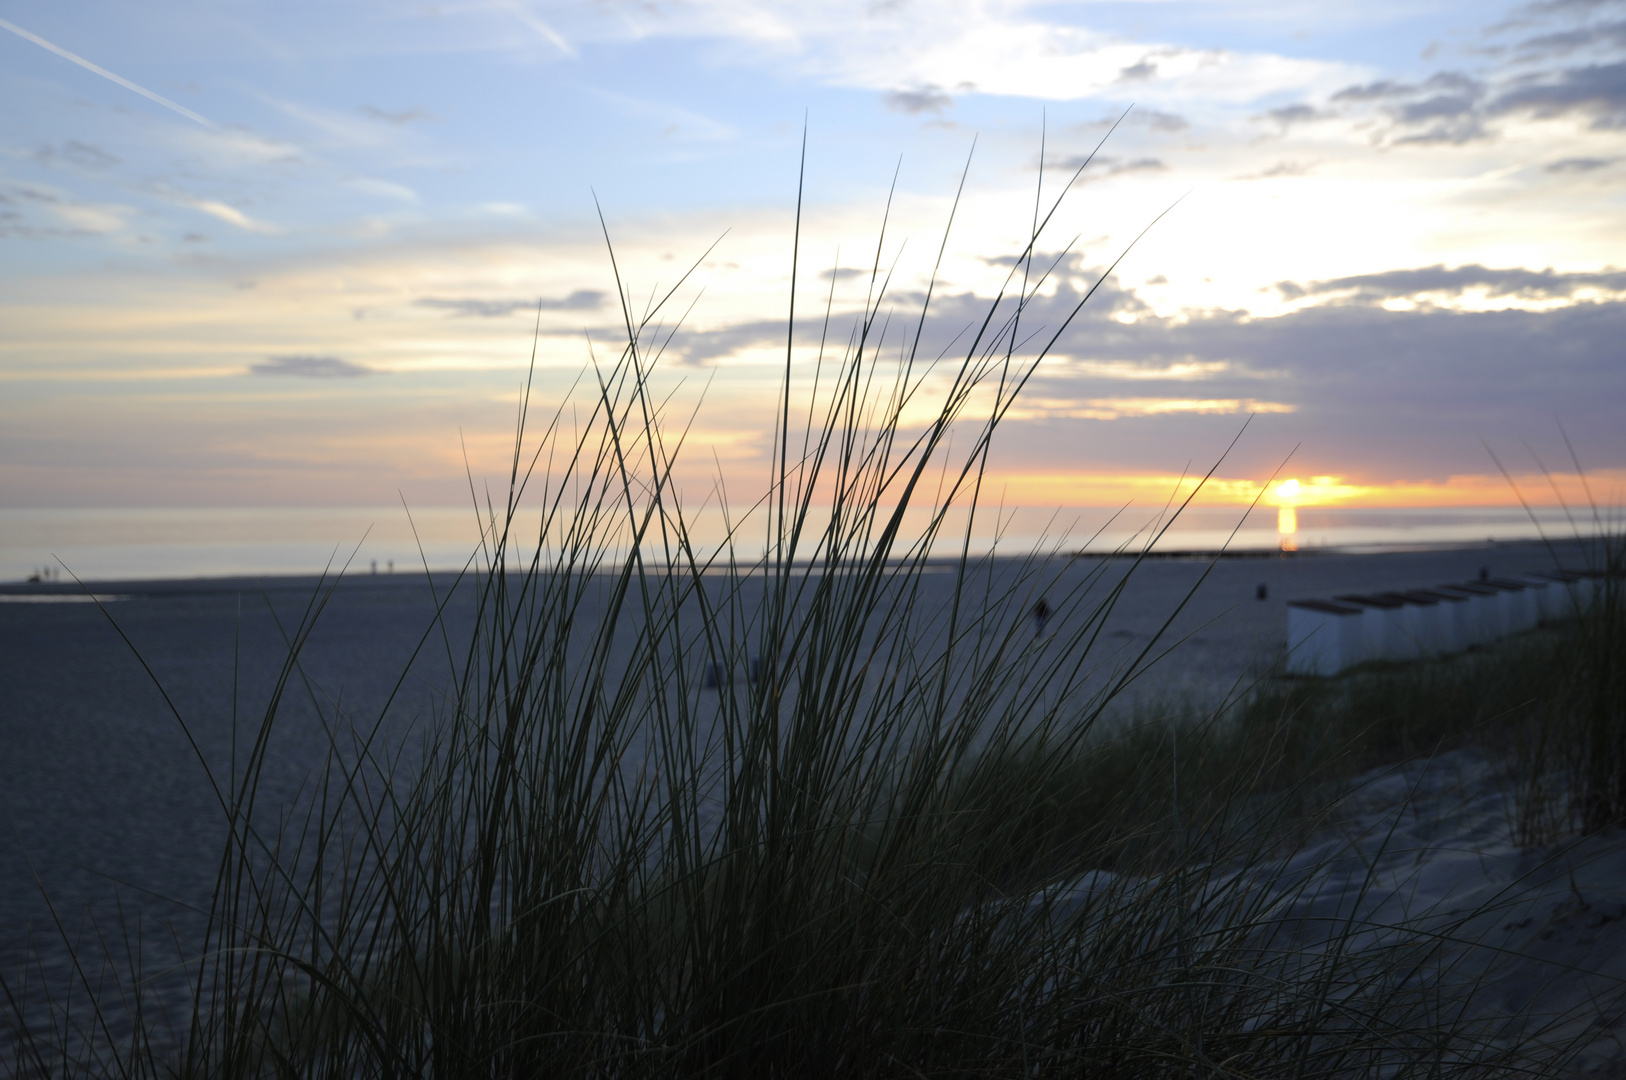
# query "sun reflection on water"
(1287, 516)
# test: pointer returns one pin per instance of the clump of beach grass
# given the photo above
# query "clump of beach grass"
(1286, 747)
(688, 813)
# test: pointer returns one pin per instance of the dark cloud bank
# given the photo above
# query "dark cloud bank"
(1403, 393)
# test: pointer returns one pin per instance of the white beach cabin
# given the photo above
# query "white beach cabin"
(1388, 628)
(1485, 612)
(1324, 638)
(1519, 610)
(1549, 597)
(1574, 588)
(1436, 618)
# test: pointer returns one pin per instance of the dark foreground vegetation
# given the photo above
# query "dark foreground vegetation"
(881, 855)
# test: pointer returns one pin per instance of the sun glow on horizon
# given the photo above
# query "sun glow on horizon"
(1608, 487)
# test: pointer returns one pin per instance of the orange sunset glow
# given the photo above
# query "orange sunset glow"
(1320, 491)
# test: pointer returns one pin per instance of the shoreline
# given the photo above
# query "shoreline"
(276, 581)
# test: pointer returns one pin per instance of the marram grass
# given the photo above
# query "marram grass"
(882, 855)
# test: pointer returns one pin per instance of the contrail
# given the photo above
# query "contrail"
(548, 33)
(104, 73)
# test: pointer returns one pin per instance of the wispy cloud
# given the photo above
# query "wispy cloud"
(1440, 285)
(1129, 408)
(529, 19)
(1135, 372)
(387, 188)
(1578, 164)
(402, 116)
(77, 154)
(311, 367)
(22, 205)
(920, 100)
(1105, 168)
(580, 300)
(233, 216)
(1281, 170)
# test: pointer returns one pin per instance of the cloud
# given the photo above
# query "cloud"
(1453, 108)
(385, 188)
(580, 300)
(1607, 35)
(1132, 371)
(1288, 115)
(20, 207)
(1597, 90)
(94, 220)
(953, 324)
(1038, 407)
(310, 367)
(1015, 49)
(529, 19)
(677, 124)
(1401, 393)
(923, 100)
(233, 216)
(1105, 168)
(1381, 90)
(1431, 281)
(1578, 164)
(74, 152)
(1522, 14)
(1281, 170)
(404, 116)
(1442, 109)
(1167, 123)
(1140, 71)
(1444, 82)
(1445, 96)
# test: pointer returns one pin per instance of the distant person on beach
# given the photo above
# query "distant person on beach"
(1041, 615)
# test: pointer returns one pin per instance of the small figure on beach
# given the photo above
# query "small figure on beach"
(1041, 615)
(715, 675)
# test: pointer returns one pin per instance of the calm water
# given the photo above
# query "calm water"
(175, 543)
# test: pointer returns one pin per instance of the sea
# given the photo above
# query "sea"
(190, 542)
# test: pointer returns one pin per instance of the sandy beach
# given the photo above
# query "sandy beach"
(109, 811)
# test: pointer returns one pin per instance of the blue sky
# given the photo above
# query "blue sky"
(291, 253)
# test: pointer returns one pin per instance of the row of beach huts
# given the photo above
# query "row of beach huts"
(1325, 637)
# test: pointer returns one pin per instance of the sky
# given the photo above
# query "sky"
(262, 254)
